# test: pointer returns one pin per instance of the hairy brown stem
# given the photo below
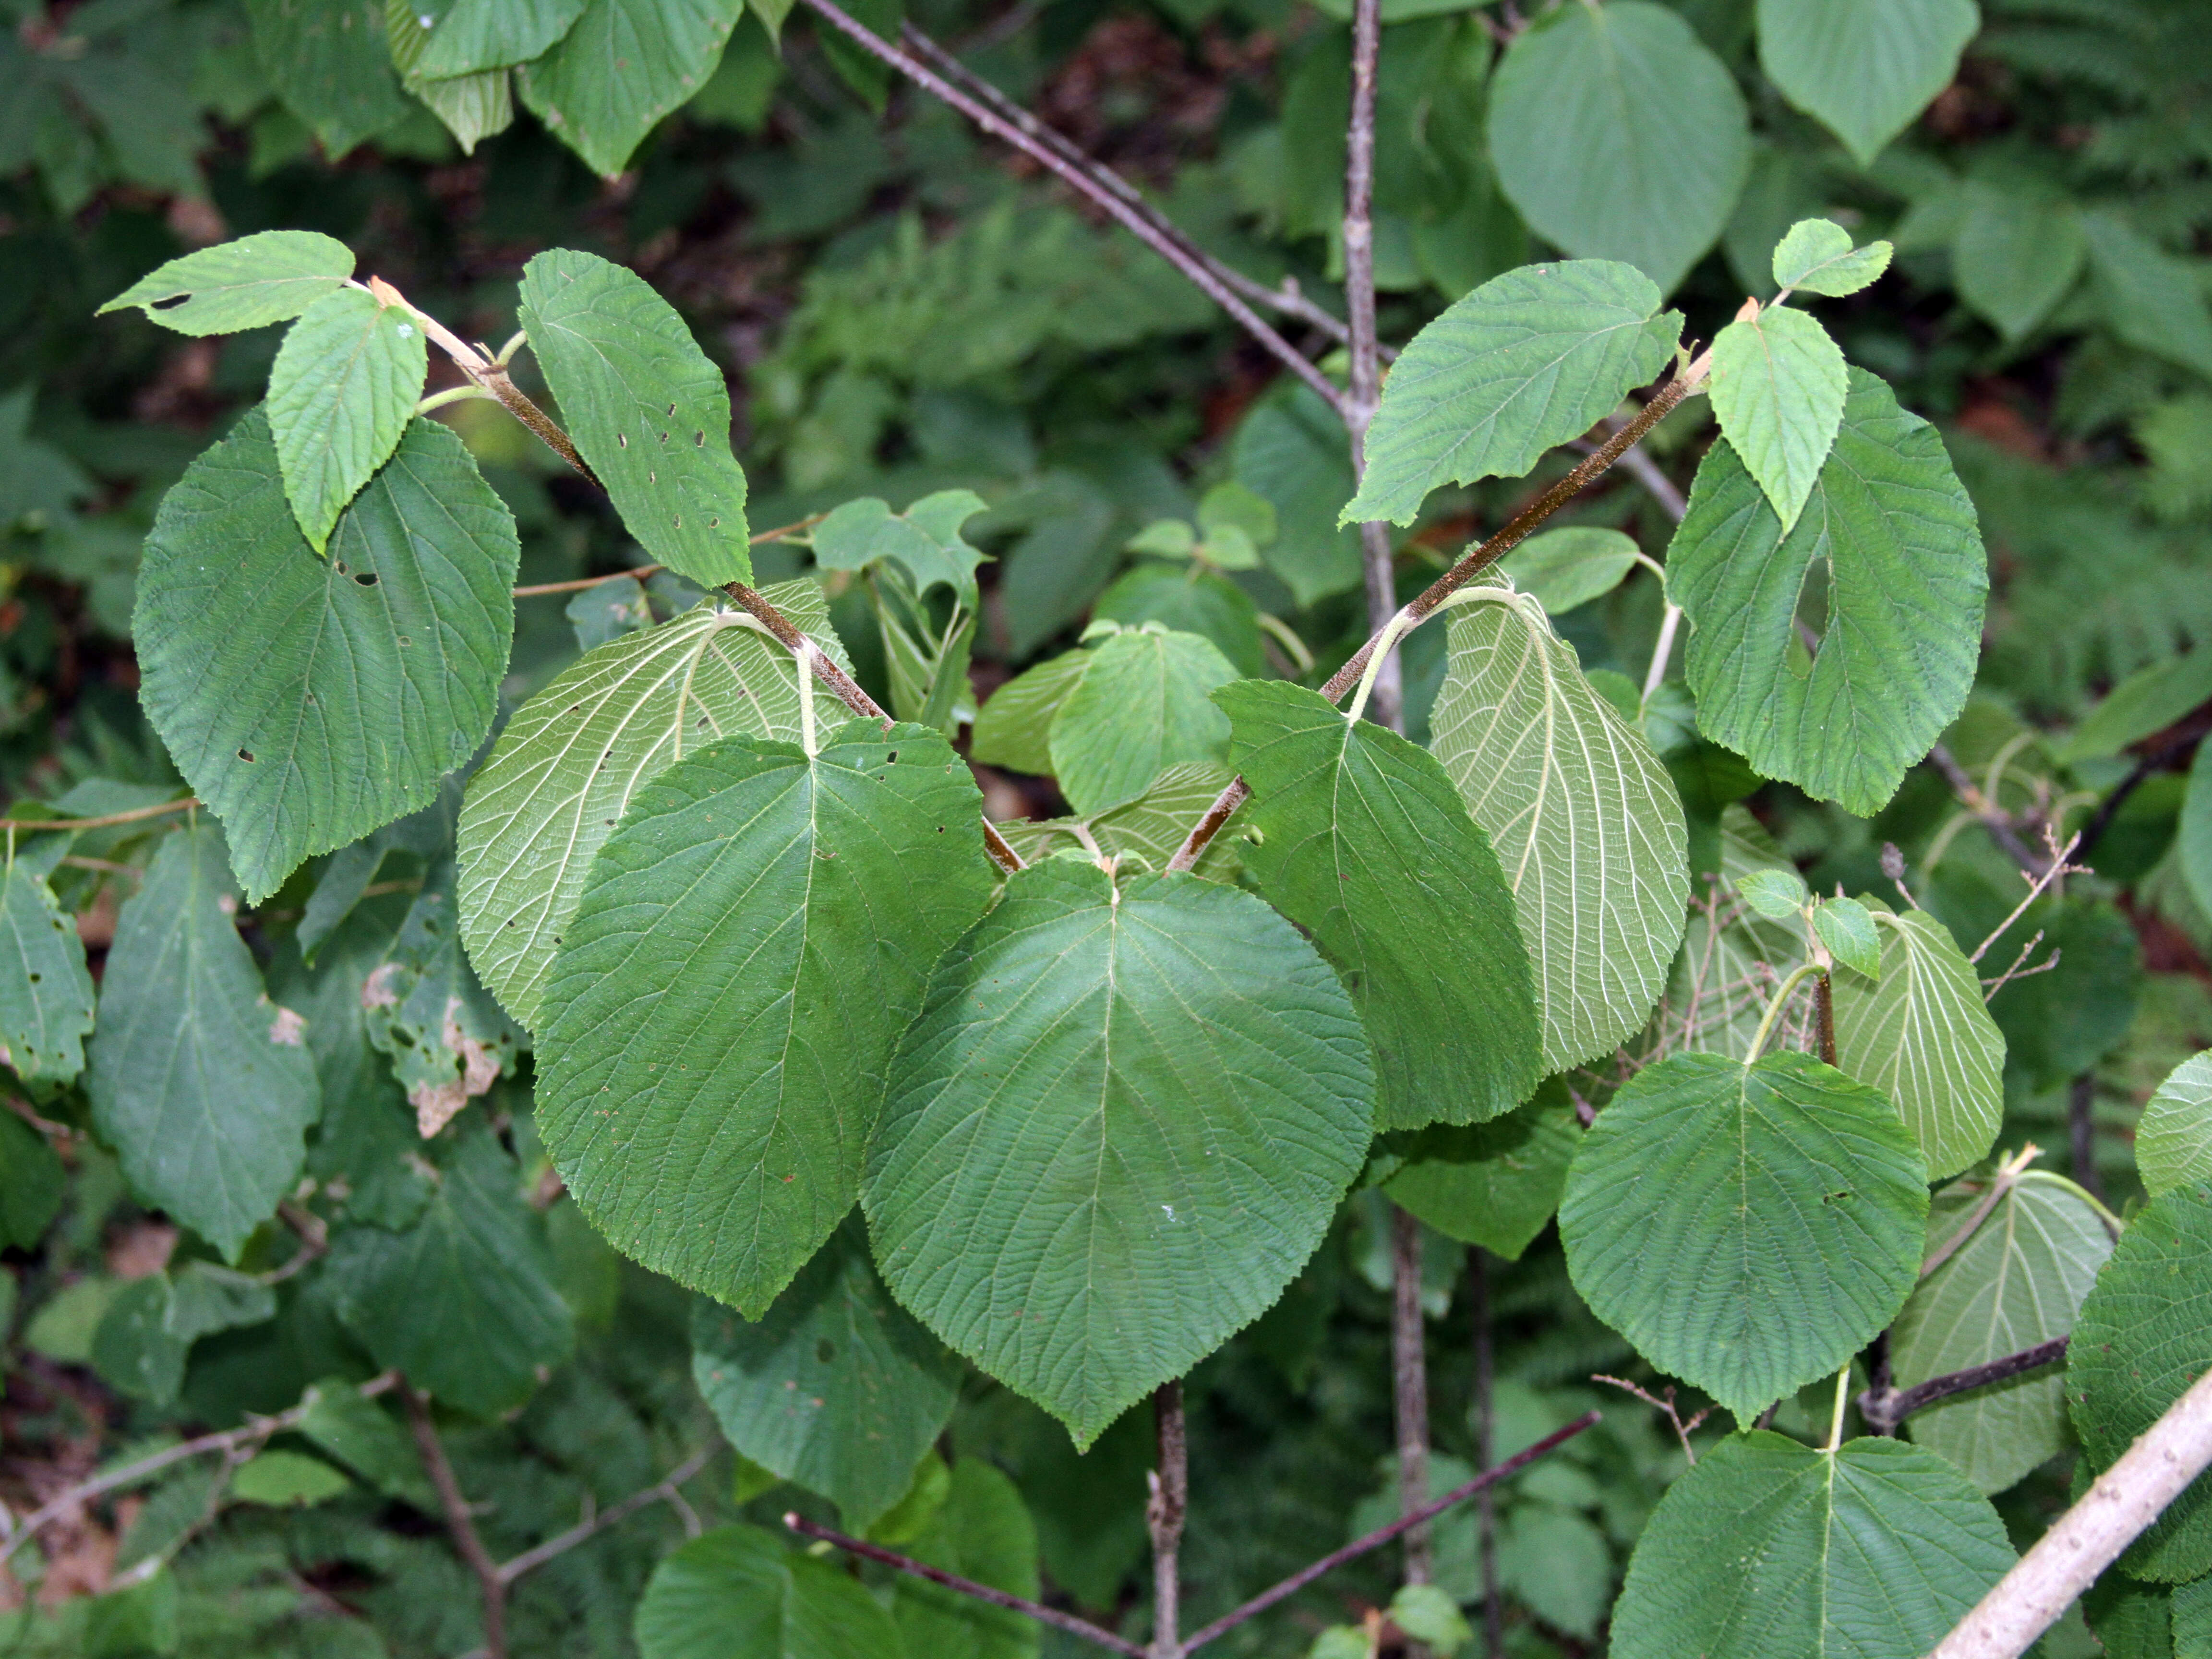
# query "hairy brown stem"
(1884, 1407)
(1164, 1517)
(1409, 1379)
(458, 1522)
(1823, 1015)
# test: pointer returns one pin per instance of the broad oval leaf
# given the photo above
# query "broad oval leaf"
(1777, 391)
(1564, 569)
(310, 701)
(46, 991)
(1619, 135)
(1014, 727)
(1863, 68)
(740, 1589)
(749, 944)
(1365, 843)
(1748, 1228)
(1291, 451)
(2015, 1281)
(1769, 1548)
(475, 35)
(2016, 252)
(202, 1085)
(1141, 706)
(341, 394)
(2174, 1138)
(1906, 577)
(644, 407)
(621, 67)
(1922, 1035)
(1584, 817)
(983, 1532)
(1816, 257)
(1494, 1184)
(835, 1387)
(1527, 362)
(1119, 1128)
(262, 278)
(2143, 1336)
(567, 765)
(1146, 833)
(328, 61)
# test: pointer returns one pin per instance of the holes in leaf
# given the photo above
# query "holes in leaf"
(367, 579)
(699, 440)
(35, 978)
(246, 754)
(169, 302)
(825, 1351)
(623, 438)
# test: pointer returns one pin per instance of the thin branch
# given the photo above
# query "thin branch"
(1993, 818)
(1079, 179)
(1667, 1408)
(2008, 1172)
(2110, 807)
(107, 821)
(2020, 968)
(1382, 1535)
(953, 1581)
(1170, 1501)
(639, 573)
(2089, 1537)
(2052, 871)
(1409, 1379)
(1885, 1409)
(1485, 1416)
(666, 1490)
(314, 1236)
(1376, 564)
(458, 1522)
(2082, 1133)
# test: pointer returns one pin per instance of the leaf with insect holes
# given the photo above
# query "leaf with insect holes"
(1896, 534)
(1363, 842)
(340, 396)
(1775, 894)
(447, 1040)
(310, 701)
(1816, 257)
(1863, 68)
(1921, 1034)
(621, 67)
(1748, 1228)
(569, 763)
(1141, 706)
(1528, 361)
(1778, 389)
(720, 1017)
(1119, 1128)
(1846, 927)
(646, 409)
(2174, 1138)
(2016, 1282)
(1768, 1546)
(46, 991)
(264, 278)
(202, 1085)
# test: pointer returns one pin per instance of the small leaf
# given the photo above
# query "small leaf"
(646, 409)
(621, 67)
(1768, 1547)
(1165, 538)
(2016, 252)
(1774, 894)
(473, 106)
(1048, 1137)
(835, 1387)
(342, 393)
(264, 278)
(1778, 389)
(327, 60)
(1144, 832)
(1236, 506)
(1528, 361)
(1366, 846)
(1564, 568)
(738, 1590)
(1906, 579)
(1290, 450)
(1142, 705)
(1748, 1228)
(46, 992)
(1846, 927)
(1863, 68)
(1816, 257)
(201, 1083)
(1427, 1614)
(1014, 727)
(983, 1532)
(1922, 1035)
(475, 35)
(925, 538)
(287, 1480)
(360, 1433)
(1494, 1184)
(749, 945)
(2174, 1138)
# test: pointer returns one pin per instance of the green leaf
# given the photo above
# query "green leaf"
(1816, 257)
(1769, 1548)
(33, 1183)
(2174, 1138)
(486, 34)
(2016, 1282)
(2151, 299)
(361, 1434)
(2148, 701)
(1731, 956)
(1896, 534)
(1142, 705)
(1777, 390)
(1428, 1614)
(749, 944)
(925, 539)
(473, 106)
(623, 66)
(1584, 818)
(1748, 1228)
(45, 992)
(327, 60)
(1188, 599)
(1291, 451)
(1014, 727)
(1564, 568)
(1922, 1035)
(309, 700)
(835, 1387)
(983, 1532)
(234, 286)
(202, 1085)
(1144, 832)
(1863, 68)
(340, 396)
(1775, 894)
(1525, 362)
(1494, 1184)
(1619, 135)
(1365, 845)
(565, 769)
(2144, 1334)
(2017, 250)
(463, 1301)
(2192, 1620)
(2130, 1620)
(1130, 1115)
(924, 1495)
(422, 1005)
(1846, 927)
(283, 1479)
(737, 1590)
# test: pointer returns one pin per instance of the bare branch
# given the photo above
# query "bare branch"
(2019, 970)
(666, 1490)
(2082, 1133)
(1666, 1407)
(107, 821)
(1884, 1408)
(1170, 1501)
(1493, 1606)
(639, 573)
(1409, 1377)
(458, 1522)
(1387, 699)
(1993, 818)
(2052, 871)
